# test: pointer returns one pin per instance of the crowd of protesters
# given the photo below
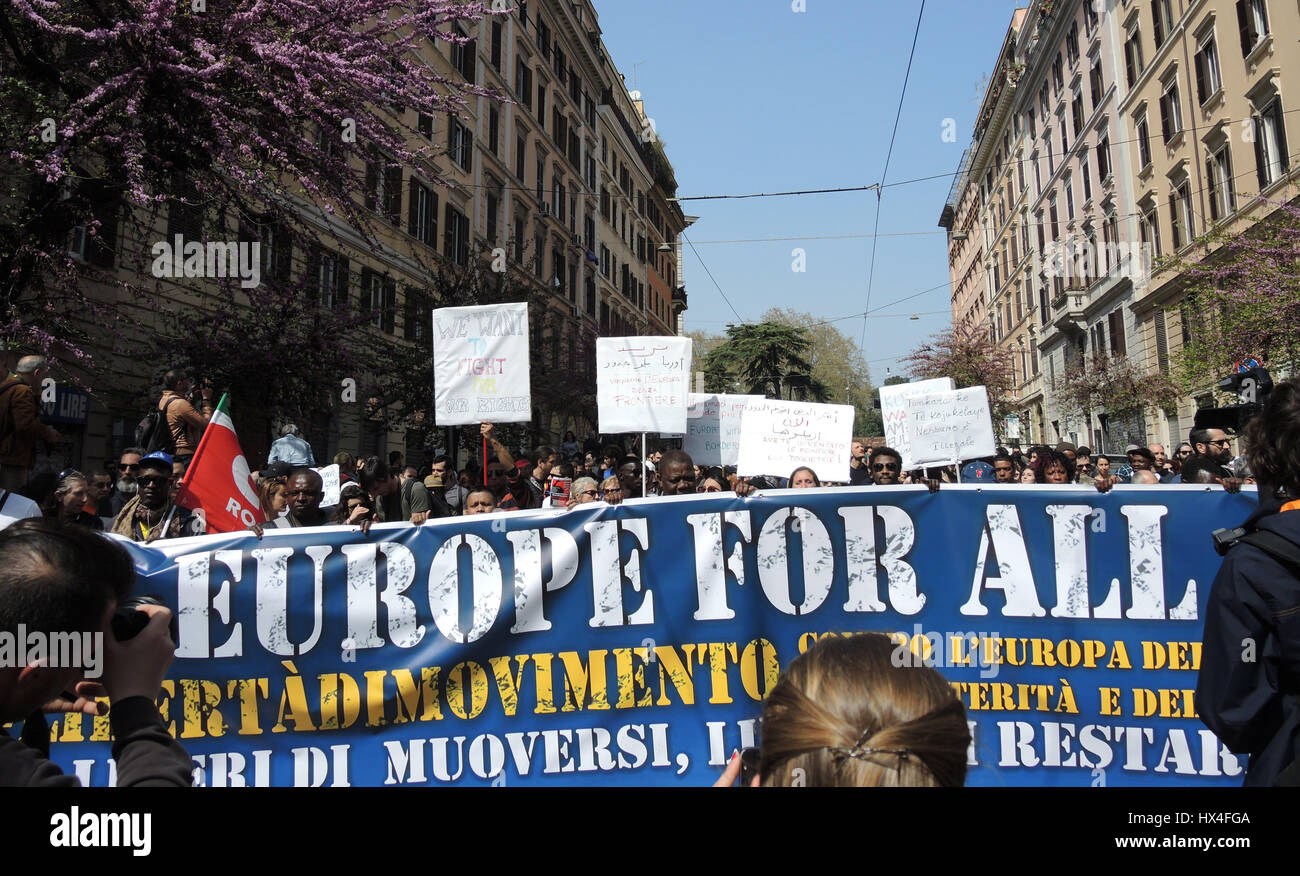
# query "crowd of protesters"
(136, 496)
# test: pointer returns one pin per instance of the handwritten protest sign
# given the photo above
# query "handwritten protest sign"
(947, 427)
(329, 476)
(713, 427)
(642, 384)
(480, 365)
(779, 436)
(893, 410)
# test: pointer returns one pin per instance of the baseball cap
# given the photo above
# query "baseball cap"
(977, 471)
(157, 459)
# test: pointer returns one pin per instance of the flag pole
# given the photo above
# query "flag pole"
(485, 460)
(643, 462)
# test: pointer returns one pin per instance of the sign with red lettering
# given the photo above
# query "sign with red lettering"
(480, 365)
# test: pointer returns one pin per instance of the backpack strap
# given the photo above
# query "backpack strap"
(1281, 549)
(167, 423)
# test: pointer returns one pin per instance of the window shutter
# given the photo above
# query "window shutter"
(1245, 26)
(448, 235)
(1159, 26)
(413, 208)
(1164, 117)
(344, 284)
(1261, 158)
(372, 184)
(1275, 110)
(393, 194)
(1162, 343)
(311, 271)
(1200, 77)
(390, 305)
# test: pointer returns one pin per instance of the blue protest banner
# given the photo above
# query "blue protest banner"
(633, 644)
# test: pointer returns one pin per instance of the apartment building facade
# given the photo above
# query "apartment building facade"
(562, 184)
(1212, 106)
(1089, 194)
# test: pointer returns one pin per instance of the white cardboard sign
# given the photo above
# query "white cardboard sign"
(642, 384)
(480, 365)
(713, 423)
(893, 410)
(949, 427)
(329, 476)
(779, 436)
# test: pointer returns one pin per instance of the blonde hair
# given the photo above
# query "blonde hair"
(843, 714)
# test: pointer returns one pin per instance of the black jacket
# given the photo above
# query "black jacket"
(1248, 691)
(146, 754)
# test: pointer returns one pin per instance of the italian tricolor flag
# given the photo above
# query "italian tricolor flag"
(218, 482)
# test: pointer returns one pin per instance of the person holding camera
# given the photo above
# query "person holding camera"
(186, 423)
(1248, 690)
(56, 578)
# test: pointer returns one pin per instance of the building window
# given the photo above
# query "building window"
(1180, 211)
(496, 44)
(424, 124)
(1058, 74)
(384, 188)
(1133, 66)
(519, 239)
(1069, 199)
(1271, 158)
(524, 82)
(1095, 84)
(1252, 19)
(1056, 225)
(455, 239)
(1144, 142)
(422, 221)
(494, 129)
(521, 149)
(1077, 111)
(1162, 18)
(1208, 81)
(464, 56)
(1103, 156)
(493, 209)
(379, 297)
(460, 144)
(1086, 173)
(1218, 170)
(1072, 43)
(1171, 113)
(1149, 224)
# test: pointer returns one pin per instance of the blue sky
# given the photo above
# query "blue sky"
(749, 96)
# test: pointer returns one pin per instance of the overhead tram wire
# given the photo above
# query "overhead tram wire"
(871, 271)
(739, 318)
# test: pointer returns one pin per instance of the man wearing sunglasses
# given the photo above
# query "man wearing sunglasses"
(886, 466)
(1214, 445)
(151, 515)
(128, 469)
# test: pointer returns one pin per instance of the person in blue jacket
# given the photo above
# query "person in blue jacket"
(1248, 691)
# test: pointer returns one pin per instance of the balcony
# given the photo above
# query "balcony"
(679, 298)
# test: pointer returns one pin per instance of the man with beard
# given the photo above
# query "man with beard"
(1214, 445)
(128, 468)
(150, 515)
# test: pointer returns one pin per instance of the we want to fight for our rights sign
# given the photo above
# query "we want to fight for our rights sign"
(633, 644)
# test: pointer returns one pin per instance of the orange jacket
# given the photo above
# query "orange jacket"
(19, 426)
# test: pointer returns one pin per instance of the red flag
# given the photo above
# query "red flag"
(218, 482)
